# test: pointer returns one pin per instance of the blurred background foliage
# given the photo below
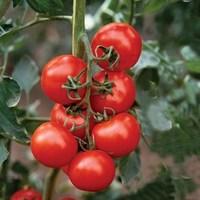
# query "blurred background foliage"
(166, 165)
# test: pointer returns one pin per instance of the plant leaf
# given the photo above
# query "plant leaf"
(129, 167)
(30, 71)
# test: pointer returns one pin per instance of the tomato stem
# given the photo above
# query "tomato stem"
(49, 184)
(78, 27)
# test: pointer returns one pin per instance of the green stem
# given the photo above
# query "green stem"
(4, 5)
(5, 61)
(49, 184)
(89, 111)
(132, 11)
(78, 27)
(33, 22)
(3, 174)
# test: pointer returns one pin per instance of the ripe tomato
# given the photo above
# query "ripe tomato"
(67, 121)
(91, 170)
(117, 136)
(28, 194)
(53, 146)
(123, 92)
(56, 73)
(125, 40)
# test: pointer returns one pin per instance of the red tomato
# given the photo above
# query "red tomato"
(56, 73)
(117, 136)
(28, 194)
(67, 121)
(91, 170)
(125, 40)
(53, 146)
(123, 92)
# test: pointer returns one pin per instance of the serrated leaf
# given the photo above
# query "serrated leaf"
(193, 66)
(9, 125)
(160, 189)
(129, 167)
(182, 140)
(52, 7)
(3, 152)
(30, 71)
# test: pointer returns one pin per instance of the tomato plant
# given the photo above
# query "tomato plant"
(89, 166)
(84, 124)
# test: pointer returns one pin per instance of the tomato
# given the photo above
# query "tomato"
(56, 73)
(92, 170)
(125, 40)
(53, 146)
(118, 136)
(67, 121)
(28, 194)
(122, 96)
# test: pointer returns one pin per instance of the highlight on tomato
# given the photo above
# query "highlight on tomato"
(53, 146)
(62, 79)
(92, 170)
(122, 41)
(118, 136)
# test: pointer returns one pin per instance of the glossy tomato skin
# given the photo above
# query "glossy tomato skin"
(125, 40)
(56, 73)
(123, 92)
(118, 136)
(28, 194)
(92, 170)
(53, 146)
(65, 120)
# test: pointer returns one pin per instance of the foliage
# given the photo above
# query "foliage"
(168, 88)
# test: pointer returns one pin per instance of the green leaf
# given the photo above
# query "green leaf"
(16, 2)
(51, 7)
(161, 188)
(188, 53)
(20, 169)
(11, 91)
(30, 71)
(3, 152)
(156, 114)
(193, 66)
(152, 6)
(182, 140)
(129, 167)
(9, 126)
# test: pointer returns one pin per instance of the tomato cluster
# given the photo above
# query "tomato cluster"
(90, 125)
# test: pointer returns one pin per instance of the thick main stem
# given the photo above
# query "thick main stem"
(49, 184)
(78, 27)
